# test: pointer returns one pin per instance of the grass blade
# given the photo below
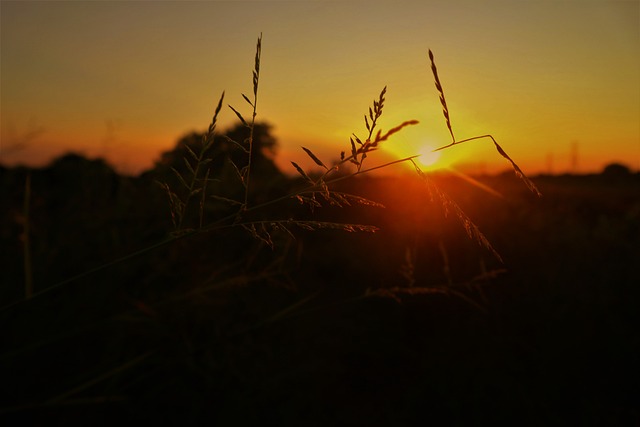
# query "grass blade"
(445, 109)
(247, 99)
(314, 158)
(180, 178)
(244, 122)
(302, 172)
(518, 171)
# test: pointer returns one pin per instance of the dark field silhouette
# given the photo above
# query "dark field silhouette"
(415, 323)
(214, 289)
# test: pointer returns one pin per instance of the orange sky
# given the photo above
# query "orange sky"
(550, 80)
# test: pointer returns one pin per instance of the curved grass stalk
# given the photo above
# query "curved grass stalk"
(530, 185)
(445, 111)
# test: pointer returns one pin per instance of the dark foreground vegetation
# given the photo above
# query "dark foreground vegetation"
(415, 323)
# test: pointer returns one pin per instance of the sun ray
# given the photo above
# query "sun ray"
(475, 182)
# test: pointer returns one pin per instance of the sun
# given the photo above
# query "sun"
(421, 150)
(428, 157)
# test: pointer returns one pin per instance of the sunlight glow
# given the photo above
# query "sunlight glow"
(427, 156)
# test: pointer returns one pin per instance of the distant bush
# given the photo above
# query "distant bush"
(616, 170)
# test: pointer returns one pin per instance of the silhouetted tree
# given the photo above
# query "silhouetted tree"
(616, 170)
(227, 157)
(232, 145)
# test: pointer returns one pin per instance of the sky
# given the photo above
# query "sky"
(556, 82)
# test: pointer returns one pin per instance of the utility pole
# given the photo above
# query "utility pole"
(574, 157)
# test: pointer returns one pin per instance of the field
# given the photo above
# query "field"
(215, 289)
(413, 323)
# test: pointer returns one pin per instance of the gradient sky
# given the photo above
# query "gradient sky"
(557, 83)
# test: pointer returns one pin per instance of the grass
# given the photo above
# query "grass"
(445, 111)
(316, 192)
(172, 327)
(319, 188)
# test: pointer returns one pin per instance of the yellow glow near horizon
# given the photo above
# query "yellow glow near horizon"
(421, 141)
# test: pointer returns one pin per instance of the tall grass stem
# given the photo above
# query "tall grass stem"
(26, 247)
(256, 80)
